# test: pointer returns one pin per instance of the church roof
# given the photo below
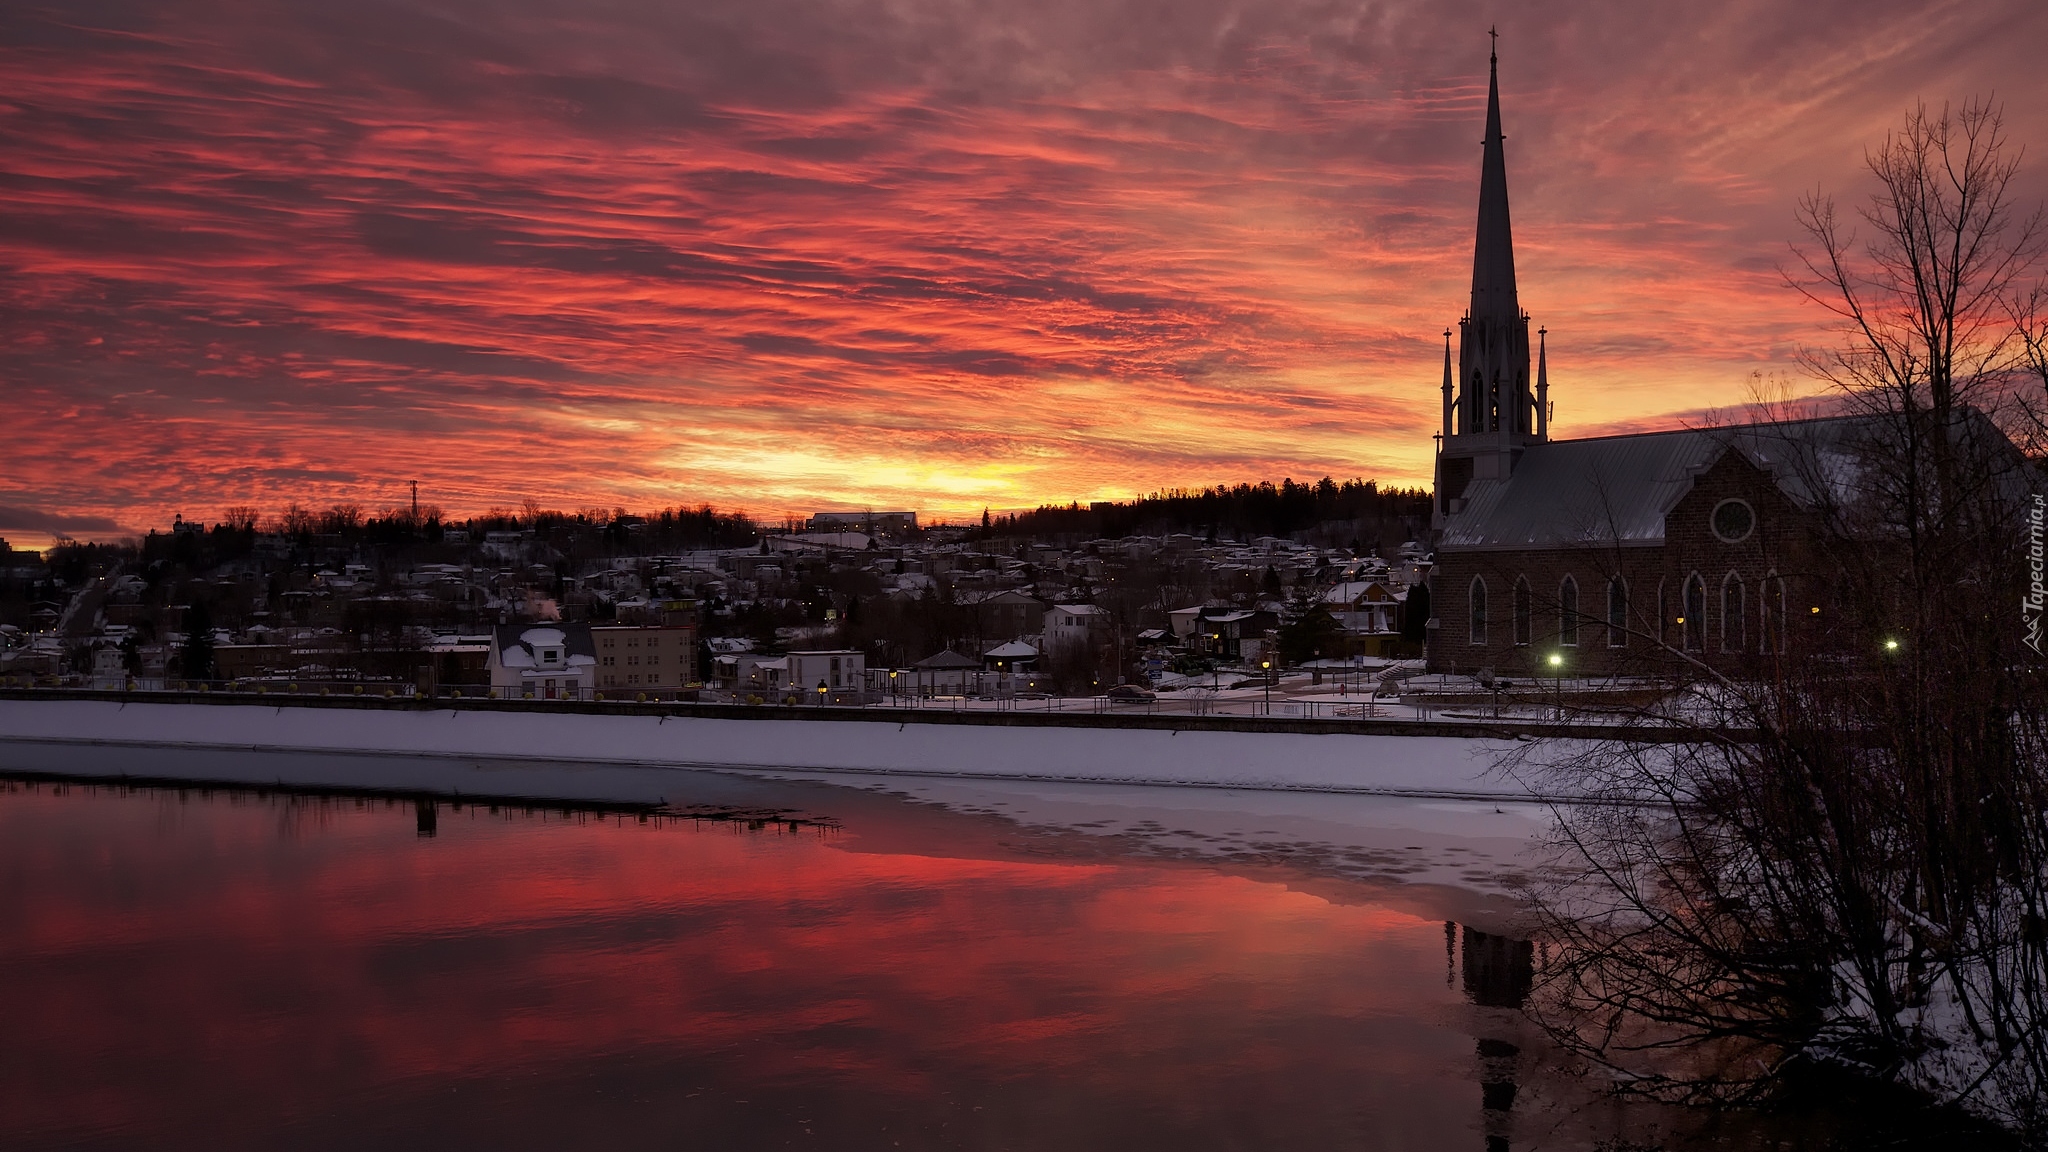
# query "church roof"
(1617, 489)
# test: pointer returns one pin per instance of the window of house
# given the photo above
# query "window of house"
(1525, 610)
(1476, 613)
(1617, 613)
(1568, 613)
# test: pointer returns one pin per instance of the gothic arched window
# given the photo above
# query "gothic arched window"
(1568, 613)
(1770, 598)
(1525, 610)
(1734, 615)
(1477, 609)
(1617, 613)
(1663, 611)
(1693, 613)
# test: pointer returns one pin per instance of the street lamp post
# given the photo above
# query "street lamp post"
(1266, 681)
(1557, 684)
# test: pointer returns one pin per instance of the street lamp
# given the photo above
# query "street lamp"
(1266, 679)
(1557, 684)
(821, 691)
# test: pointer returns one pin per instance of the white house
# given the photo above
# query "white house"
(1070, 626)
(837, 670)
(543, 661)
(1363, 607)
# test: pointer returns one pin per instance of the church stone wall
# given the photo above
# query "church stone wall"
(1658, 626)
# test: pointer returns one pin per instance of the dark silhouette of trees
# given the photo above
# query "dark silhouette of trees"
(1242, 511)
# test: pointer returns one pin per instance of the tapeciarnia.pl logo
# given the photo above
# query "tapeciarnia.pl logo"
(2037, 595)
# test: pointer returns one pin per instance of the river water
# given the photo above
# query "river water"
(792, 964)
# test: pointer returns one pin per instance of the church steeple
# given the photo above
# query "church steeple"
(1493, 345)
(1493, 256)
(1496, 412)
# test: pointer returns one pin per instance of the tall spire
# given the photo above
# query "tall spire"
(1493, 257)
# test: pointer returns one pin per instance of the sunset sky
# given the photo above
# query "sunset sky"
(779, 255)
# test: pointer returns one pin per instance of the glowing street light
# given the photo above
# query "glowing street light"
(1891, 645)
(1266, 677)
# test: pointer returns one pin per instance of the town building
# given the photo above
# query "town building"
(550, 661)
(836, 675)
(1074, 627)
(871, 523)
(636, 658)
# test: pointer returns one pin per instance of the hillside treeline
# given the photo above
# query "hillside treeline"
(1355, 508)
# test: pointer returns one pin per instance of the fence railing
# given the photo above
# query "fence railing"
(1191, 703)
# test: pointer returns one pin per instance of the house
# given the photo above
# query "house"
(1015, 656)
(759, 675)
(1008, 613)
(836, 674)
(549, 661)
(1182, 623)
(1366, 607)
(1070, 627)
(1226, 633)
(109, 670)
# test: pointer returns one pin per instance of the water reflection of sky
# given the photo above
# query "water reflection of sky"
(233, 971)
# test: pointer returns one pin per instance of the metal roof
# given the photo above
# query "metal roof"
(1618, 489)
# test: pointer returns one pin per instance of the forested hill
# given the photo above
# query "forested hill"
(1355, 508)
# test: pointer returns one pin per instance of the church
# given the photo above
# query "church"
(1609, 555)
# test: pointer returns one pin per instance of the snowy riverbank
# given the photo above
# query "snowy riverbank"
(572, 756)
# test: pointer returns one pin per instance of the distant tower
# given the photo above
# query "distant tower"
(1495, 412)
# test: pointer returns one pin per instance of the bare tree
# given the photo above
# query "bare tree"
(1840, 853)
(1925, 302)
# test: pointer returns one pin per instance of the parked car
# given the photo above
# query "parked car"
(1131, 694)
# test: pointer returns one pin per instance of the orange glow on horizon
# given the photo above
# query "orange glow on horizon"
(938, 263)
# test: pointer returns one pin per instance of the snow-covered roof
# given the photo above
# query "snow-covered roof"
(1014, 650)
(519, 645)
(1352, 591)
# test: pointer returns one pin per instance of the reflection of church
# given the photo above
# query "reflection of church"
(1498, 972)
(1575, 557)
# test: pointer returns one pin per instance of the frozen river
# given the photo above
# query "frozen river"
(878, 963)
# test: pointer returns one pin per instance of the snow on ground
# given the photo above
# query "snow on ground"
(549, 742)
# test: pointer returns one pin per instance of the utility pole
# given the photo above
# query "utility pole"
(415, 501)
